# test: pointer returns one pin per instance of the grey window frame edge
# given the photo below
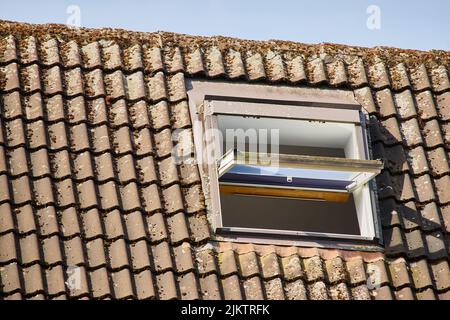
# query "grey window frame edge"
(199, 90)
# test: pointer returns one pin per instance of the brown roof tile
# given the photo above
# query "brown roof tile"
(316, 71)
(436, 245)
(29, 249)
(47, 220)
(443, 105)
(8, 44)
(96, 253)
(295, 290)
(385, 103)
(270, 266)
(318, 291)
(10, 77)
(339, 291)
(336, 72)
(335, 270)
(418, 161)
(11, 105)
(404, 294)
(194, 63)
(69, 222)
(30, 79)
(100, 283)
(253, 288)
(313, 268)
(209, 287)
(425, 105)
(183, 257)
(113, 225)
(419, 78)
(248, 264)
(161, 257)
(9, 278)
(439, 78)
(52, 250)
(383, 293)
(420, 274)
(214, 62)
(227, 263)
(27, 49)
(360, 293)
(432, 134)
(177, 227)
(445, 211)
(54, 278)
(144, 285)
(399, 274)
(430, 217)
(122, 285)
(187, 284)
(274, 289)
(399, 76)
(32, 278)
(6, 218)
(73, 251)
(139, 255)
(393, 241)
(231, 288)
(426, 294)
(444, 296)
(442, 190)
(411, 133)
(441, 275)
(438, 161)
(295, 68)
(356, 272)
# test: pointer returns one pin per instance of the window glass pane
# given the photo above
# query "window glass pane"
(289, 214)
(289, 136)
(291, 172)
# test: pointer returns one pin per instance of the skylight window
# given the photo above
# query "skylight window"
(286, 165)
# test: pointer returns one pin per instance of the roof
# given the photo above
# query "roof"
(87, 182)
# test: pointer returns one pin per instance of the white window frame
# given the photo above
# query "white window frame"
(210, 98)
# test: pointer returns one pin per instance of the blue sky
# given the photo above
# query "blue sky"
(405, 24)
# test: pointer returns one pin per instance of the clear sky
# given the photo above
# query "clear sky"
(405, 24)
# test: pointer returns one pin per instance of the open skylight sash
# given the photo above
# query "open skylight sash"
(312, 172)
(293, 182)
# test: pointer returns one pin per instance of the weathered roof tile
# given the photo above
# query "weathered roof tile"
(214, 62)
(439, 78)
(399, 77)
(378, 75)
(419, 78)
(194, 61)
(443, 105)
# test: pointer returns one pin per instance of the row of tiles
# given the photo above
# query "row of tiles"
(412, 132)
(399, 186)
(161, 271)
(74, 179)
(96, 82)
(252, 63)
